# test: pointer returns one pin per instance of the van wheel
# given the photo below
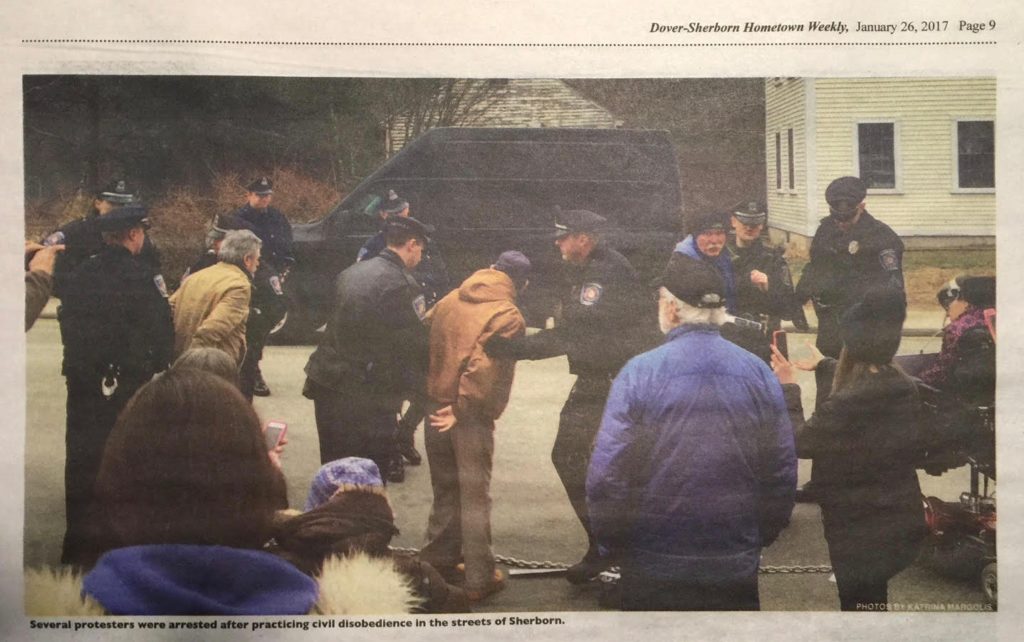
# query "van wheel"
(989, 583)
(295, 327)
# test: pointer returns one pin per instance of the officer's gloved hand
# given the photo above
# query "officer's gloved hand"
(499, 347)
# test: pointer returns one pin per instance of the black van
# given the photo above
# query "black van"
(487, 190)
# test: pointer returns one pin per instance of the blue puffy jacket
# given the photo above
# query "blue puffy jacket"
(694, 468)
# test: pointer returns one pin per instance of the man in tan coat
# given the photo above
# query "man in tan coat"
(468, 391)
(211, 307)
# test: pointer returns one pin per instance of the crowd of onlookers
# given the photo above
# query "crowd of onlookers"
(677, 449)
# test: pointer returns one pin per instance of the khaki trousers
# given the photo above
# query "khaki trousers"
(459, 527)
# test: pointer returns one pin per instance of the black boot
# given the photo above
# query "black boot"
(396, 470)
(260, 387)
(587, 568)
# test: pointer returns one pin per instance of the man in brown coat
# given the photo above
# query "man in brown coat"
(211, 307)
(468, 391)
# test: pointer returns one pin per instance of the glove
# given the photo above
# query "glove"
(499, 347)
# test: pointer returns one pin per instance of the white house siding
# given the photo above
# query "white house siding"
(924, 110)
(786, 108)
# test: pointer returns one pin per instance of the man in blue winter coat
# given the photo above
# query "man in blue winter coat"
(706, 242)
(694, 468)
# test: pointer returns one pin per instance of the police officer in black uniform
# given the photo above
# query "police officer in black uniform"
(764, 286)
(372, 353)
(268, 302)
(81, 237)
(432, 275)
(599, 331)
(117, 332)
(851, 253)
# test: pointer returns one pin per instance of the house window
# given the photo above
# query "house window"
(876, 154)
(792, 160)
(975, 154)
(778, 160)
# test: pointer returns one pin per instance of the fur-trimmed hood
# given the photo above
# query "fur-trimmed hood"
(353, 585)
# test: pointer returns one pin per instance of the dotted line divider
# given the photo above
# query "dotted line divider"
(294, 43)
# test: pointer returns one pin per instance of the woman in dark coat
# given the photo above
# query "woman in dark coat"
(863, 440)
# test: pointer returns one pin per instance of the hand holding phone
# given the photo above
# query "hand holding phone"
(274, 433)
(780, 342)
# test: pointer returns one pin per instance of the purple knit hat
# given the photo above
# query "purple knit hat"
(342, 474)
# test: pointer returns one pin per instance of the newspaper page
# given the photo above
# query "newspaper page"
(655, 115)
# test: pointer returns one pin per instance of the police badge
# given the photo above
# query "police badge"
(854, 247)
(57, 238)
(275, 285)
(889, 260)
(419, 306)
(158, 280)
(591, 293)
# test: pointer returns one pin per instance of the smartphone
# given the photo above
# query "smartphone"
(275, 433)
(780, 342)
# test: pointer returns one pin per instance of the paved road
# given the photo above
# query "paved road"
(532, 518)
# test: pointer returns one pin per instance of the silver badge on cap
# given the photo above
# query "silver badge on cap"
(854, 247)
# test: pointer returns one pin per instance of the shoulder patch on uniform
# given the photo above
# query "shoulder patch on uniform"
(57, 238)
(275, 285)
(158, 280)
(591, 293)
(419, 306)
(889, 259)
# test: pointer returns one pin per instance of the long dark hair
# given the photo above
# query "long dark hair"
(186, 463)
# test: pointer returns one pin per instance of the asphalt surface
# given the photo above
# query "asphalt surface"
(532, 519)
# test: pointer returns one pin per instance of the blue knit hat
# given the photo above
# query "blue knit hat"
(350, 473)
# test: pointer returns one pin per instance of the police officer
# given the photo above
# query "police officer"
(116, 328)
(269, 304)
(432, 275)
(222, 224)
(599, 331)
(82, 238)
(851, 253)
(764, 286)
(373, 351)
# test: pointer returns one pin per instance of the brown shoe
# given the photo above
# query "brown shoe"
(498, 584)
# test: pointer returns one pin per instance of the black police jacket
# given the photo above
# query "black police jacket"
(115, 319)
(82, 239)
(431, 272)
(375, 343)
(844, 266)
(275, 231)
(606, 319)
(779, 301)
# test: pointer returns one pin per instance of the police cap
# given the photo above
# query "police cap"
(750, 213)
(262, 185)
(693, 281)
(116, 191)
(392, 203)
(124, 218)
(709, 222)
(843, 195)
(578, 222)
(409, 224)
(224, 223)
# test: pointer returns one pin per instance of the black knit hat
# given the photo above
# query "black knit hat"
(709, 222)
(392, 203)
(979, 291)
(871, 329)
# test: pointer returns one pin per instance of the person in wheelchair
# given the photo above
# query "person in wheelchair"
(966, 363)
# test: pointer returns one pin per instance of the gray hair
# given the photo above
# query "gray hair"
(237, 245)
(691, 315)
